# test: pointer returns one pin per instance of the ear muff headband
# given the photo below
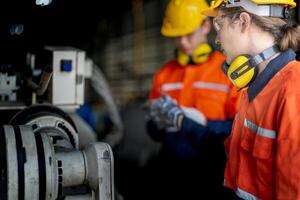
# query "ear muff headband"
(242, 70)
(200, 55)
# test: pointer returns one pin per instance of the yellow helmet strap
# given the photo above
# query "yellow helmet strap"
(242, 70)
(200, 55)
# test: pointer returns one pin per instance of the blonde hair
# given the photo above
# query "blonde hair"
(286, 35)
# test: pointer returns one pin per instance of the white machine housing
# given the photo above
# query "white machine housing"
(67, 85)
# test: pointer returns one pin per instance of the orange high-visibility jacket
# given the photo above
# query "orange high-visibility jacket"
(168, 80)
(203, 86)
(264, 146)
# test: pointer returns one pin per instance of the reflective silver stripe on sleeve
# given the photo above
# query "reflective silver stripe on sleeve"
(171, 86)
(212, 86)
(245, 195)
(224, 182)
(235, 116)
(260, 131)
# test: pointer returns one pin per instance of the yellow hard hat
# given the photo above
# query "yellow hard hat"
(259, 7)
(183, 17)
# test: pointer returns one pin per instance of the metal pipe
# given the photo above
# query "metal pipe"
(73, 171)
(41, 88)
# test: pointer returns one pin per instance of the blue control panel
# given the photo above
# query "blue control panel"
(66, 65)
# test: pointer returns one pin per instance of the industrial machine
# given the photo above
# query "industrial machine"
(28, 83)
(40, 158)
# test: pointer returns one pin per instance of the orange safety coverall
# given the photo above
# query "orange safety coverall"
(264, 146)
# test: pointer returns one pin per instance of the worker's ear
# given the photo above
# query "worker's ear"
(245, 21)
(206, 26)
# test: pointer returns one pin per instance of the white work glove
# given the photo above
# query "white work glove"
(195, 115)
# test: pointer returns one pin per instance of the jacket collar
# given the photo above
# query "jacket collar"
(269, 72)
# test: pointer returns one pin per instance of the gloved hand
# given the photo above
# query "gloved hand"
(166, 113)
(152, 114)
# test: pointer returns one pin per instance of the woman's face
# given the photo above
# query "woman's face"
(230, 37)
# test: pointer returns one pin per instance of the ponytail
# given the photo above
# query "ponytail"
(290, 38)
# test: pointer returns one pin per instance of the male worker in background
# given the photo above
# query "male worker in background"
(194, 79)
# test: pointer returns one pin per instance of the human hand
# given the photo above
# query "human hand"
(167, 113)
